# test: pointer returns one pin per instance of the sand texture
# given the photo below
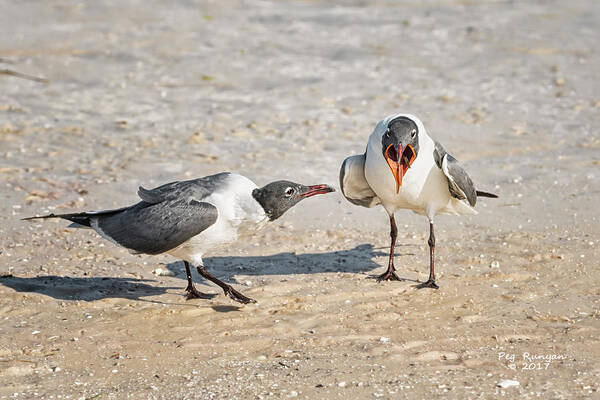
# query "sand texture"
(146, 92)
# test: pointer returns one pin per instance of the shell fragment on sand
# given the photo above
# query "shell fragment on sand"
(507, 383)
(163, 272)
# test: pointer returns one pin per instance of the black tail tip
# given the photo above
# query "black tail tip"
(39, 217)
(486, 194)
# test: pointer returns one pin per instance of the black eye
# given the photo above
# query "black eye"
(413, 133)
(289, 191)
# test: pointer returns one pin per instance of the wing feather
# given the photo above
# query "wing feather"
(195, 188)
(353, 183)
(460, 185)
(156, 228)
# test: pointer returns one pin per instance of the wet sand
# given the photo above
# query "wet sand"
(143, 94)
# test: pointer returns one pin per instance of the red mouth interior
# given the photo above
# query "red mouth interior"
(407, 158)
(399, 161)
(392, 153)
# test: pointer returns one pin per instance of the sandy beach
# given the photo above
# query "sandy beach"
(145, 92)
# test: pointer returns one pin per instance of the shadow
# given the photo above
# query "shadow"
(355, 260)
(376, 277)
(224, 309)
(87, 289)
(358, 259)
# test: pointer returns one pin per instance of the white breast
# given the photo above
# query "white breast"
(240, 215)
(424, 187)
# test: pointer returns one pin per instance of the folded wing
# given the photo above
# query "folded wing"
(156, 228)
(353, 183)
(460, 184)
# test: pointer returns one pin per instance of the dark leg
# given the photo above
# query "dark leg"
(390, 275)
(431, 281)
(229, 291)
(192, 292)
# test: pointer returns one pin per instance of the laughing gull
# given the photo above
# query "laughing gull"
(424, 178)
(188, 218)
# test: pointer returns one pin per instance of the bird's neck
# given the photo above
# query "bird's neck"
(270, 211)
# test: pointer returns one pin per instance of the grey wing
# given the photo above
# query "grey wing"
(353, 183)
(197, 189)
(156, 228)
(460, 184)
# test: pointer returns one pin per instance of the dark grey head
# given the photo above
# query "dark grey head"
(279, 196)
(400, 146)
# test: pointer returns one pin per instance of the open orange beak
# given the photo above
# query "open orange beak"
(399, 160)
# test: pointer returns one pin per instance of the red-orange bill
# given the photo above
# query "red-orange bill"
(399, 162)
(317, 189)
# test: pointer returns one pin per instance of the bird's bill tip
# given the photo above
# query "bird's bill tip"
(317, 189)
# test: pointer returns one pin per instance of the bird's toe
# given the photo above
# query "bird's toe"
(193, 293)
(388, 276)
(237, 296)
(429, 284)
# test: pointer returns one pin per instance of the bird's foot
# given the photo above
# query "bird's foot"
(237, 296)
(429, 284)
(388, 275)
(193, 293)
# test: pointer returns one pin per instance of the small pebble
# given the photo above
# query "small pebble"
(384, 339)
(494, 264)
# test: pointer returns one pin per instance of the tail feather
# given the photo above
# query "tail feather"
(78, 218)
(486, 194)
(82, 218)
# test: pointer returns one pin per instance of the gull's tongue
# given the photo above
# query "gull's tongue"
(399, 171)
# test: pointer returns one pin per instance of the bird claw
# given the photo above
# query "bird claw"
(193, 293)
(237, 296)
(388, 276)
(429, 284)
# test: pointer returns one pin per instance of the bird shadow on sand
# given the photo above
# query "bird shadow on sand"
(87, 289)
(356, 260)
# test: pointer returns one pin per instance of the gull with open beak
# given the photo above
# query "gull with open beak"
(404, 168)
(188, 218)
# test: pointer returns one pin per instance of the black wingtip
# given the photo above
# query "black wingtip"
(486, 194)
(39, 217)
